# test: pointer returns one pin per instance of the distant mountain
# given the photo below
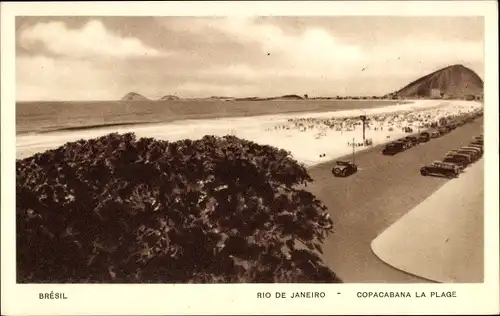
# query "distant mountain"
(283, 97)
(456, 81)
(170, 98)
(250, 99)
(289, 97)
(132, 96)
(221, 98)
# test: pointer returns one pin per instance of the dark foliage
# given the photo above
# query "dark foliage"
(120, 210)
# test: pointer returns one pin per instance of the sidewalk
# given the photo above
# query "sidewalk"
(442, 239)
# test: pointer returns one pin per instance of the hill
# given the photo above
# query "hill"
(284, 97)
(289, 97)
(221, 98)
(170, 98)
(132, 96)
(455, 81)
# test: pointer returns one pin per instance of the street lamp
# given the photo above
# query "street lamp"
(363, 119)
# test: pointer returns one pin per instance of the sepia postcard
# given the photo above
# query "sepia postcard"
(250, 158)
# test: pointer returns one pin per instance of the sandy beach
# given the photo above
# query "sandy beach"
(311, 138)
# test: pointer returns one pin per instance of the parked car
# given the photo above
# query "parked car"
(460, 160)
(478, 150)
(477, 142)
(452, 125)
(405, 142)
(453, 165)
(393, 148)
(440, 168)
(412, 139)
(480, 147)
(469, 156)
(443, 130)
(344, 168)
(424, 137)
(435, 135)
(472, 153)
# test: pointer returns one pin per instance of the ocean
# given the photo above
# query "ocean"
(44, 117)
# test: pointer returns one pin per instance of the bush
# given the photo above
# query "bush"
(120, 210)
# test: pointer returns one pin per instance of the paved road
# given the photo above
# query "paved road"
(363, 205)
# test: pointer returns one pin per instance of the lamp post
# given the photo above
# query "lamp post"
(363, 119)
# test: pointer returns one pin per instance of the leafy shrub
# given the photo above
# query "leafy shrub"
(120, 210)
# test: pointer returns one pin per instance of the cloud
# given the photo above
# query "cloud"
(93, 39)
(313, 47)
(317, 54)
(46, 78)
(237, 56)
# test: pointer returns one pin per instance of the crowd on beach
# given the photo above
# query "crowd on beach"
(410, 121)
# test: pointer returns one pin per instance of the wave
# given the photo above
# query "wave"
(93, 126)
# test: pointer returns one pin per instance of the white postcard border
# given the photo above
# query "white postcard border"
(242, 299)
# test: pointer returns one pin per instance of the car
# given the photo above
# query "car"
(435, 135)
(477, 142)
(478, 150)
(451, 126)
(472, 153)
(440, 168)
(459, 160)
(443, 130)
(393, 148)
(344, 168)
(480, 147)
(412, 139)
(469, 156)
(424, 137)
(454, 165)
(405, 142)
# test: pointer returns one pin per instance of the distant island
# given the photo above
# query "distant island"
(170, 98)
(452, 82)
(283, 97)
(133, 96)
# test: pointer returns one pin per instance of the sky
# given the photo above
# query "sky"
(104, 58)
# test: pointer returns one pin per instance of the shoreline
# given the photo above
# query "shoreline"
(313, 144)
(195, 117)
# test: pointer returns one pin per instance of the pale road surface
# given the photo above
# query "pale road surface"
(442, 239)
(365, 204)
